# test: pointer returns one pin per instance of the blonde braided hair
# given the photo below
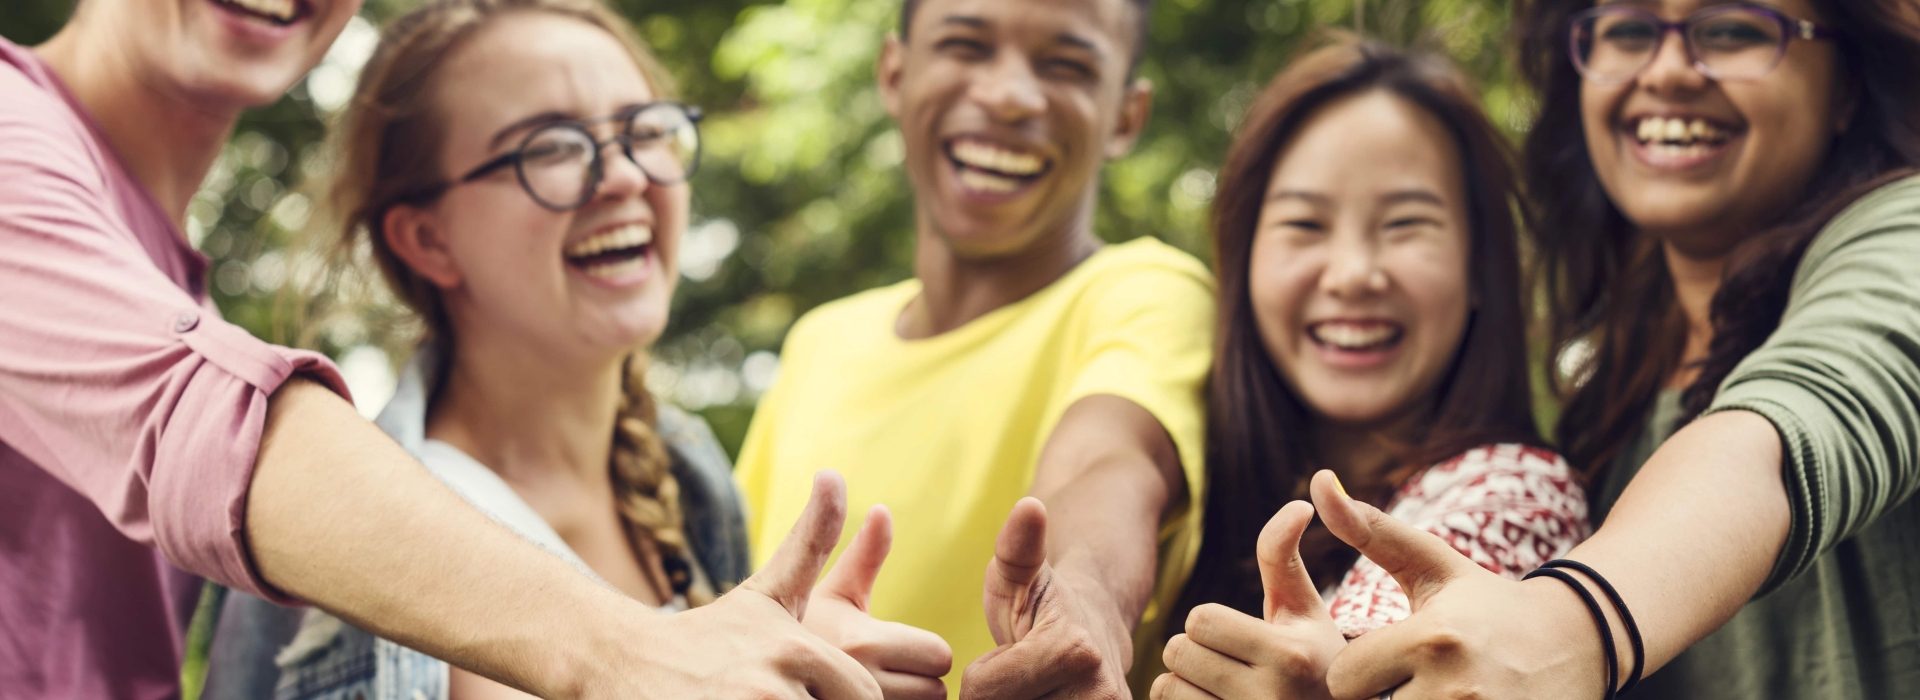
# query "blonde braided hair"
(644, 485)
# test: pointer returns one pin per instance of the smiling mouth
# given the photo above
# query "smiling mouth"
(615, 252)
(279, 12)
(995, 169)
(1679, 137)
(1356, 336)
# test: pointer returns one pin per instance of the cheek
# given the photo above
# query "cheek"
(1596, 121)
(1278, 284)
(671, 212)
(1790, 134)
(496, 236)
(1442, 298)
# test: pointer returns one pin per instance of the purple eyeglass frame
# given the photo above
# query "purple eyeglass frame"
(1791, 28)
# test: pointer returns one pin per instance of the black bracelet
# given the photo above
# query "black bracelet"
(1599, 620)
(1619, 606)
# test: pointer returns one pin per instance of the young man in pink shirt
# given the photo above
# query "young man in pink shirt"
(139, 432)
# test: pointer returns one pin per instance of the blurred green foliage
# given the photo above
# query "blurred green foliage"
(801, 199)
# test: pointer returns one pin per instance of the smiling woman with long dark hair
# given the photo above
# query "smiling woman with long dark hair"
(1730, 230)
(1370, 323)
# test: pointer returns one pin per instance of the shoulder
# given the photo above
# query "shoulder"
(1887, 216)
(693, 443)
(862, 311)
(1143, 280)
(47, 147)
(1150, 263)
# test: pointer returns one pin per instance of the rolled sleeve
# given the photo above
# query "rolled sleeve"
(208, 443)
(115, 379)
(1840, 378)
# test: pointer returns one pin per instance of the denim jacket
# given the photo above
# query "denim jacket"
(316, 656)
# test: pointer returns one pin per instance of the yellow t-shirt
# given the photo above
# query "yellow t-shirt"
(947, 431)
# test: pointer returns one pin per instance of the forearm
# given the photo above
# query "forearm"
(1103, 536)
(1696, 533)
(340, 516)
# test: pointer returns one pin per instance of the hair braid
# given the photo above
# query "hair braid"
(646, 491)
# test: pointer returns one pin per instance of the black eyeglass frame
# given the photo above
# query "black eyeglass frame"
(1791, 28)
(596, 168)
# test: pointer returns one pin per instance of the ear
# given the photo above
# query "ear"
(1135, 106)
(415, 237)
(893, 57)
(1848, 108)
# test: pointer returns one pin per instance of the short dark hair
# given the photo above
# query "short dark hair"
(1142, 10)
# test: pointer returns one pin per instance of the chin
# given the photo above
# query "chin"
(1348, 407)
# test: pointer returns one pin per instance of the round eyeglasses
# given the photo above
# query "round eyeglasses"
(561, 167)
(1738, 41)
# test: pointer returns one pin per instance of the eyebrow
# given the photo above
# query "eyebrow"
(543, 119)
(1314, 198)
(1428, 196)
(1394, 197)
(1079, 42)
(968, 21)
(1067, 38)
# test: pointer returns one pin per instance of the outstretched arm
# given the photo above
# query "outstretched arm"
(340, 516)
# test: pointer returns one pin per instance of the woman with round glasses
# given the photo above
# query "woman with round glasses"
(1730, 236)
(522, 182)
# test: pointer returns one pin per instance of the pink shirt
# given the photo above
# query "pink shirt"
(130, 412)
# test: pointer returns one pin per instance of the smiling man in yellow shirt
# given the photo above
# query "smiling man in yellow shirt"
(1024, 359)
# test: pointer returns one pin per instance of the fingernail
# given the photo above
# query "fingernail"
(1337, 486)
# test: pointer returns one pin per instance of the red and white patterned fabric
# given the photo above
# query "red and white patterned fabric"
(1508, 507)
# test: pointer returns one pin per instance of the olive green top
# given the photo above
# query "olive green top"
(1839, 617)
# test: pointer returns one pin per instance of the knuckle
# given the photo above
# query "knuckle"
(1207, 615)
(1293, 661)
(1175, 655)
(1442, 645)
(1078, 653)
(862, 646)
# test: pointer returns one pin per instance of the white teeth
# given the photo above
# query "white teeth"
(1353, 336)
(977, 180)
(986, 156)
(629, 236)
(278, 9)
(1678, 131)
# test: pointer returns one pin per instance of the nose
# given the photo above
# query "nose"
(1673, 69)
(1007, 88)
(620, 175)
(1353, 268)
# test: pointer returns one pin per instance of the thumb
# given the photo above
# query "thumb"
(852, 577)
(1019, 556)
(788, 577)
(1420, 561)
(1283, 574)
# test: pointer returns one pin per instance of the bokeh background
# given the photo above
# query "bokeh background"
(801, 199)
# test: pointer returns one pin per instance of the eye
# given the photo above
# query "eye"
(1629, 34)
(554, 150)
(1734, 33)
(1068, 69)
(1301, 225)
(963, 48)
